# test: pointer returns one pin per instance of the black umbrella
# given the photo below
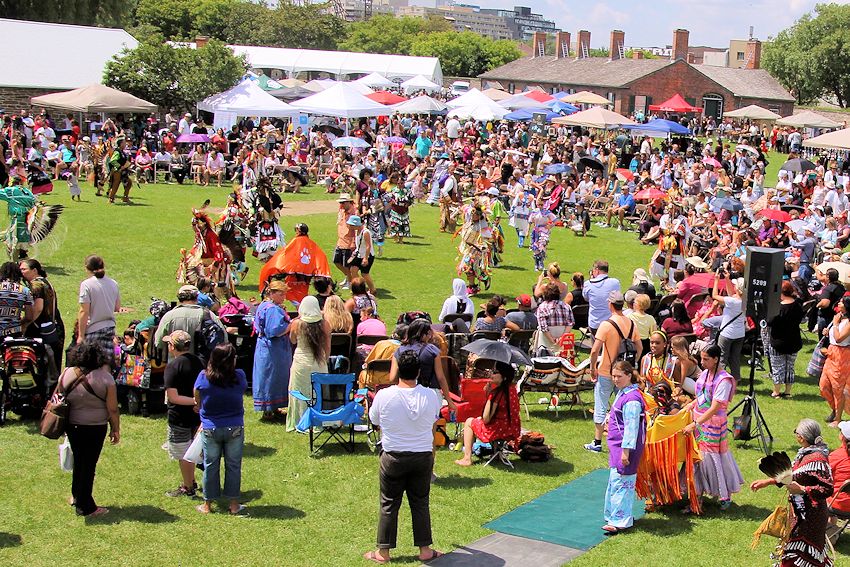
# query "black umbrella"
(297, 174)
(497, 350)
(591, 162)
(798, 165)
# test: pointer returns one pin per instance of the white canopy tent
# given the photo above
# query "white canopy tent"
(808, 119)
(340, 63)
(318, 85)
(838, 140)
(752, 112)
(596, 117)
(420, 105)
(520, 101)
(360, 87)
(420, 83)
(479, 112)
(248, 99)
(375, 81)
(474, 97)
(343, 101)
(497, 94)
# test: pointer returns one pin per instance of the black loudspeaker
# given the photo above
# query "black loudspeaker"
(763, 281)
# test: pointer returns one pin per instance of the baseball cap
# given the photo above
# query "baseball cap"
(188, 288)
(844, 427)
(524, 300)
(180, 340)
(615, 297)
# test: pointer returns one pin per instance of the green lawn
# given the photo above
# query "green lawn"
(322, 511)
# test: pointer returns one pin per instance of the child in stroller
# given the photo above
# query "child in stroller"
(24, 377)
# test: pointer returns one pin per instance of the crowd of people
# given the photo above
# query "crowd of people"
(699, 206)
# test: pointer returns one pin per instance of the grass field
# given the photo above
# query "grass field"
(322, 511)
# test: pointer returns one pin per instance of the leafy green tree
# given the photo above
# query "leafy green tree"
(111, 13)
(812, 57)
(384, 33)
(465, 54)
(173, 18)
(169, 76)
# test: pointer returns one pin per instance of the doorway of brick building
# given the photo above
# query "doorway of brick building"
(712, 105)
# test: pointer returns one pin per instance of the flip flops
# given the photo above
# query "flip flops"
(373, 556)
(434, 555)
(612, 530)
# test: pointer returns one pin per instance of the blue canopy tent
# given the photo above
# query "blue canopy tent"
(659, 127)
(562, 107)
(526, 114)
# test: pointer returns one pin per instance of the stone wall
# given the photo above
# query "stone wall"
(13, 99)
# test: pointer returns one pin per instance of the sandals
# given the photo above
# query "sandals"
(373, 556)
(241, 511)
(612, 530)
(434, 555)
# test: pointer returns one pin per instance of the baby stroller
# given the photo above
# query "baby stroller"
(24, 377)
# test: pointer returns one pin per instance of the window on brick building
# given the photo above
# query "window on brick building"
(511, 88)
(739, 55)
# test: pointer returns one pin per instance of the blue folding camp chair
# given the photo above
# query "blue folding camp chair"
(330, 409)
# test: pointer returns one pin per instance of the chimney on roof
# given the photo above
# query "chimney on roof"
(752, 56)
(637, 54)
(583, 45)
(617, 49)
(562, 44)
(538, 44)
(680, 45)
(201, 41)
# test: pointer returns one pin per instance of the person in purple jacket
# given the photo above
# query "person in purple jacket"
(626, 439)
(218, 398)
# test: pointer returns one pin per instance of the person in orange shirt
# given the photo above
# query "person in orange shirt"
(481, 183)
(839, 463)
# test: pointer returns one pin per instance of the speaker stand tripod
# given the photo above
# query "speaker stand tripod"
(749, 405)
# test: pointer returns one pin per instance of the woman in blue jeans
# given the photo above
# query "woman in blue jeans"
(218, 398)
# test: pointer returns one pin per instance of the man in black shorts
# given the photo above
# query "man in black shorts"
(183, 422)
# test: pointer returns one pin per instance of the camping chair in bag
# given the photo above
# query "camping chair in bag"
(331, 408)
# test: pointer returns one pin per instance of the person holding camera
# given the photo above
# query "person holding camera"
(732, 322)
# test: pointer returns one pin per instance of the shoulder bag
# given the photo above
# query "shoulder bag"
(49, 331)
(54, 417)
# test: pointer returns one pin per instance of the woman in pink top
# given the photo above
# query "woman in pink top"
(369, 324)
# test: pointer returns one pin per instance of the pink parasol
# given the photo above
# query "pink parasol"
(650, 194)
(712, 162)
(625, 175)
(775, 214)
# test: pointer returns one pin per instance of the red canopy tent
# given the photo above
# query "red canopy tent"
(539, 96)
(386, 97)
(674, 104)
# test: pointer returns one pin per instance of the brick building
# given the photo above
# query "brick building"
(633, 84)
(53, 57)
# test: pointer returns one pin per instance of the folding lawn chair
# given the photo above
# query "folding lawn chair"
(331, 409)
(470, 403)
(842, 518)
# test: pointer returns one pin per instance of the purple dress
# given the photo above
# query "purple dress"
(626, 430)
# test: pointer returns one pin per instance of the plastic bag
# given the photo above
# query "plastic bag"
(195, 452)
(66, 456)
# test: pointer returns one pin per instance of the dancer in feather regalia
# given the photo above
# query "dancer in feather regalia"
(30, 220)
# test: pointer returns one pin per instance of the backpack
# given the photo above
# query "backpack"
(627, 350)
(207, 336)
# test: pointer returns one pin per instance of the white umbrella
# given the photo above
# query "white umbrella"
(838, 140)
(419, 83)
(481, 113)
(375, 81)
(752, 112)
(422, 104)
(808, 119)
(596, 117)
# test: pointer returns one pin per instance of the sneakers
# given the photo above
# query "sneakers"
(620, 228)
(593, 447)
(434, 477)
(182, 491)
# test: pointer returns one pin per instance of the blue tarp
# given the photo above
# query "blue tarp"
(525, 114)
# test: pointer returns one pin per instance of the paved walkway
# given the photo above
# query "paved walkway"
(502, 550)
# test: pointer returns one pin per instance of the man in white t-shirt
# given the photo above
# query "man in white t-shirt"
(29, 126)
(453, 128)
(185, 125)
(405, 414)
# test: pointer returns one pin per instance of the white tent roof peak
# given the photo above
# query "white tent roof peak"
(420, 83)
(342, 100)
(247, 99)
(375, 80)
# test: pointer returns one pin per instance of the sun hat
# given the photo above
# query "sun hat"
(640, 275)
(697, 262)
(354, 220)
(616, 297)
(309, 311)
(344, 198)
(188, 288)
